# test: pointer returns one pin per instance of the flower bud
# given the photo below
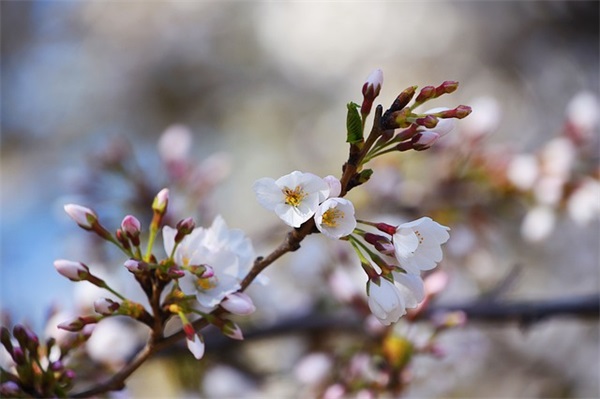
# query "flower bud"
(74, 271)
(135, 266)
(238, 303)
(175, 273)
(403, 99)
(386, 228)
(372, 86)
(131, 226)
(335, 186)
(184, 227)
(5, 339)
(370, 91)
(462, 111)
(19, 356)
(83, 216)
(232, 330)
(161, 201)
(79, 323)
(428, 121)
(106, 306)
(446, 87)
(426, 93)
(202, 271)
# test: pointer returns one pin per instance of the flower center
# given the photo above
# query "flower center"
(294, 196)
(206, 284)
(331, 216)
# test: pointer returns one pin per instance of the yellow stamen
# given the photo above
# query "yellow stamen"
(294, 197)
(331, 216)
(206, 283)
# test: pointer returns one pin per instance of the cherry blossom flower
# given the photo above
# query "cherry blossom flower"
(418, 243)
(294, 197)
(385, 301)
(228, 252)
(335, 218)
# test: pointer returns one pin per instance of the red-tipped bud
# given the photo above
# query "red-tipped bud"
(19, 356)
(161, 202)
(189, 331)
(386, 228)
(131, 226)
(381, 243)
(403, 99)
(106, 306)
(238, 303)
(462, 111)
(74, 271)
(370, 90)
(372, 86)
(202, 271)
(184, 227)
(426, 93)
(428, 121)
(447, 87)
(84, 217)
(122, 238)
(175, 273)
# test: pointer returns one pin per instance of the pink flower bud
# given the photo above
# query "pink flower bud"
(79, 323)
(386, 228)
(135, 266)
(74, 271)
(83, 216)
(446, 87)
(131, 226)
(426, 93)
(184, 227)
(232, 330)
(238, 303)
(372, 86)
(161, 201)
(105, 306)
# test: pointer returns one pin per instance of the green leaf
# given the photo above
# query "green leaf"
(354, 124)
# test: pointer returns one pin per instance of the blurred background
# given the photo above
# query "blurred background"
(260, 88)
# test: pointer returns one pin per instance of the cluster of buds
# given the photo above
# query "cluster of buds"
(400, 127)
(33, 372)
(197, 271)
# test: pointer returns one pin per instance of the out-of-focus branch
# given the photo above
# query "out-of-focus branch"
(522, 311)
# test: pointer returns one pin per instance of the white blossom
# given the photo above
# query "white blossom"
(385, 301)
(523, 171)
(418, 243)
(335, 218)
(538, 223)
(584, 203)
(227, 251)
(294, 197)
(238, 303)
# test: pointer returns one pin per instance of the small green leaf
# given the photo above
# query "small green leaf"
(354, 124)
(365, 175)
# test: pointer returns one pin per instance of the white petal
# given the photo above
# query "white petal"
(335, 186)
(412, 288)
(268, 193)
(405, 242)
(168, 239)
(196, 346)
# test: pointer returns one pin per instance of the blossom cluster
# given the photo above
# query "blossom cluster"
(203, 271)
(297, 197)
